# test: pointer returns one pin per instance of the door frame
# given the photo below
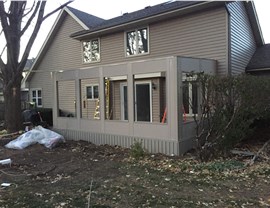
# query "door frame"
(135, 98)
(122, 100)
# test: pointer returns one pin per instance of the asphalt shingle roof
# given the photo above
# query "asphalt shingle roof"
(88, 19)
(260, 59)
(140, 14)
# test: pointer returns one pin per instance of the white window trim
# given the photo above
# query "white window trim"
(31, 96)
(151, 100)
(90, 62)
(125, 42)
(91, 85)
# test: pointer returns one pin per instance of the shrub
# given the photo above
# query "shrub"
(136, 150)
(229, 107)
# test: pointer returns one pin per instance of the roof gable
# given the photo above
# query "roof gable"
(83, 19)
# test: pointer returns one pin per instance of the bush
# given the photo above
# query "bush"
(136, 150)
(229, 108)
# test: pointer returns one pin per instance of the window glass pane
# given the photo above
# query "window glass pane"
(142, 41)
(39, 102)
(66, 98)
(115, 94)
(34, 94)
(131, 43)
(89, 94)
(86, 51)
(95, 50)
(39, 93)
(150, 98)
(194, 98)
(186, 97)
(95, 92)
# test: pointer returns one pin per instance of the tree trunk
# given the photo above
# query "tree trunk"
(12, 96)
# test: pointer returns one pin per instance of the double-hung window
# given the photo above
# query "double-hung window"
(137, 42)
(91, 51)
(92, 92)
(36, 97)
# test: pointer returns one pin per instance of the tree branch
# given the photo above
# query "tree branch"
(3, 50)
(3, 18)
(30, 19)
(57, 9)
(31, 9)
(32, 37)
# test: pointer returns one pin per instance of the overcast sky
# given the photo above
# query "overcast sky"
(107, 9)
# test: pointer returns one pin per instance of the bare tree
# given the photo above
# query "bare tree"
(12, 16)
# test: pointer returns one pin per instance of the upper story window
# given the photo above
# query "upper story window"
(91, 51)
(36, 97)
(137, 42)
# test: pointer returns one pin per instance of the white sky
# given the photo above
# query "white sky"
(107, 9)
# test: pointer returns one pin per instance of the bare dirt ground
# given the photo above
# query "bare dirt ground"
(67, 175)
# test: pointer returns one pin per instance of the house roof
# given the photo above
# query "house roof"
(88, 19)
(83, 19)
(161, 11)
(147, 12)
(260, 59)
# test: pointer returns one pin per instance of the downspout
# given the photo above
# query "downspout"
(229, 41)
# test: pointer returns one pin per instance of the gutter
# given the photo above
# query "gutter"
(253, 17)
(257, 70)
(145, 20)
(229, 40)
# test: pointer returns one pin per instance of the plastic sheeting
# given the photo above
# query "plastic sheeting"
(37, 135)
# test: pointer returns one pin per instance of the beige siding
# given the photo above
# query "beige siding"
(201, 35)
(156, 100)
(116, 101)
(243, 43)
(66, 98)
(64, 53)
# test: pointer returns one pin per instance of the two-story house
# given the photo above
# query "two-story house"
(129, 78)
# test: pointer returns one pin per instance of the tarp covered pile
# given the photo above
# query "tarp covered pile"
(37, 135)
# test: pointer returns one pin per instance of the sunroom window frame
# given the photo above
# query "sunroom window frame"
(190, 81)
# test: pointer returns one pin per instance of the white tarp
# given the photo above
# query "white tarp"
(37, 135)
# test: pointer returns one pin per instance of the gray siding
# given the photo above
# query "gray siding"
(243, 44)
(201, 35)
(66, 98)
(64, 53)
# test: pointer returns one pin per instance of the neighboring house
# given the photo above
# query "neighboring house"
(132, 77)
(260, 61)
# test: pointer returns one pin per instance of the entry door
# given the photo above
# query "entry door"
(124, 102)
(143, 101)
